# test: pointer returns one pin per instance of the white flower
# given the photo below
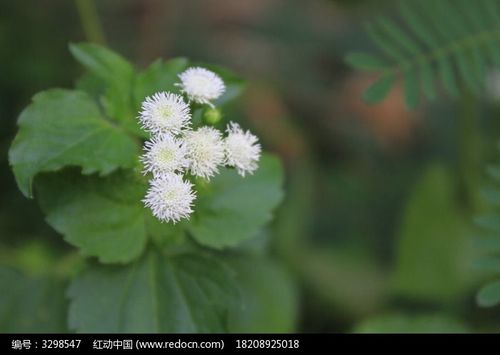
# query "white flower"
(201, 85)
(164, 154)
(205, 151)
(165, 112)
(242, 149)
(170, 198)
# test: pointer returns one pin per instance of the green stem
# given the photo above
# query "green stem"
(90, 21)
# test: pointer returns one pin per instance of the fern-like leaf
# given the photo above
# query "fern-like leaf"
(446, 43)
(488, 242)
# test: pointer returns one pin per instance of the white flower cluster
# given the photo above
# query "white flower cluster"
(176, 149)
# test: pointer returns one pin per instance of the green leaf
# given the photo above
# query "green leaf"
(493, 171)
(64, 128)
(427, 77)
(231, 208)
(478, 65)
(399, 36)
(185, 293)
(92, 85)
(365, 61)
(488, 243)
(447, 73)
(466, 69)
(493, 9)
(411, 89)
(384, 43)
(379, 90)
(441, 34)
(491, 194)
(488, 263)
(343, 278)
(160, 76)
(269, 299)
(29, 305)
(417, 25)
(402, 323)
(447, 19)
(104, 217)
(489, 295)
(434, 251)
(116, 75)
(474, 14)
(489, 222)
(494, 53)
(102, 62)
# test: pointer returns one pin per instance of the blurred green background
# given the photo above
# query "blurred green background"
(376, 226)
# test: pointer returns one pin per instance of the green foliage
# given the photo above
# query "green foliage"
(489, 295)
(65, 128)
(454, 41)
(350, 280)
(104, 217)
(31, 305)
(379, 90)
(434, 255)
(157, 293)
(113, 73)
(402, 323)
(230, 212)
(81, 149)
(489, 241)
(269, 299)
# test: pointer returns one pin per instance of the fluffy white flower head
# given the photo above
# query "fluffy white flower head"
(205, 151)
(201, 85)
(164, 154)
(170, 198)
(165, 112)
(242, 149)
